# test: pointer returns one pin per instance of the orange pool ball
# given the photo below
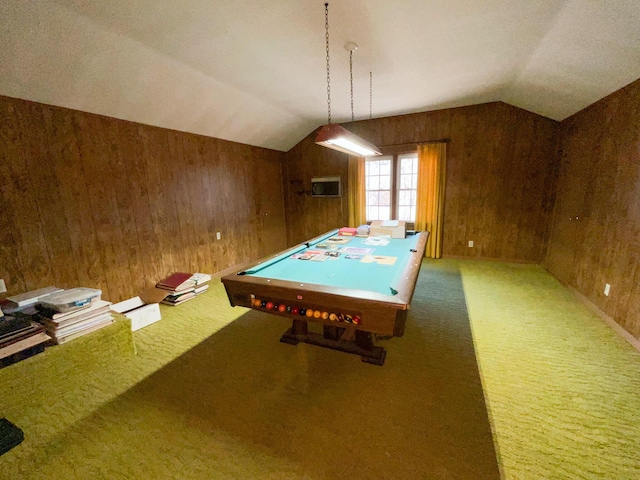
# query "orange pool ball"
(317, 313)
(282, 308)
(257, 302)
(333, 317)
(325, 315)
(310, 312)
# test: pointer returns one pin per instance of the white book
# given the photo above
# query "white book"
(82, 311)
(29, 298)
(60, 340)
(200, 278)
(80, 326)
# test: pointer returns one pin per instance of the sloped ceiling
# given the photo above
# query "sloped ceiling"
(255, 71)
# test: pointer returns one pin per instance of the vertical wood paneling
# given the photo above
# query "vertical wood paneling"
(210, 197)
(102, 205)
(10, 239)
(74, 193)
(600, 185)
(122, 190)
(99, 202)
(158, 215)
(308, 216)
(498, 181)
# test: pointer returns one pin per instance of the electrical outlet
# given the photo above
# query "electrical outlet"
(3, 286)
(218, 236)
(607, 289)
(470, 243)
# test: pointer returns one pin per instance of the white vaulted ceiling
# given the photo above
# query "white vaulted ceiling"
(255, 71)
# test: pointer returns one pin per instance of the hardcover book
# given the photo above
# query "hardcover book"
(347, 231)
(177, 281)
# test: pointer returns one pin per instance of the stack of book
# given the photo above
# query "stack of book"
(362, 230)
(347, 231)
(23, 300)
(20, 337)
(202, 282)
(63, 322)
(183, 287)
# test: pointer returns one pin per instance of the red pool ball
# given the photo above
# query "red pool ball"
(295, 310)
(269, 305)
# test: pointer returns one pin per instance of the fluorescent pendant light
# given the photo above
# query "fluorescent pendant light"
(335, 136)
(338, 138)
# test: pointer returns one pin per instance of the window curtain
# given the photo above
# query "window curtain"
(430, 195)
(356, 192)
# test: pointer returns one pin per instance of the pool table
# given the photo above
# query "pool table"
(357, 288)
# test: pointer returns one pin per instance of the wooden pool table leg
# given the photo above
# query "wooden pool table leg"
(299, 329)
(345, 339)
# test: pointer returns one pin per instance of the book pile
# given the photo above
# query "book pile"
(74, 314)
(390, 228)
(183, 287)
(20, 338)
(19, 302)
(362, 230)
(347, 231)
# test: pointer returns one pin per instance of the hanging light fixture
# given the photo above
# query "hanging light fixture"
(335, 136)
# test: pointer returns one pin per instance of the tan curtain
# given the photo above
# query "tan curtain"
(430, 200)
(356, 193)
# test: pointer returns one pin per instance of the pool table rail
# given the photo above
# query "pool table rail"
(362, 314)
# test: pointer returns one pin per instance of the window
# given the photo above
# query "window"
(391, 187)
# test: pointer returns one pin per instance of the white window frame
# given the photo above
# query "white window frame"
(395, 184)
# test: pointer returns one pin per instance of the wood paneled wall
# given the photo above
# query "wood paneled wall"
(596, 222)
(502, 167)
(93, 201)
(307, 216)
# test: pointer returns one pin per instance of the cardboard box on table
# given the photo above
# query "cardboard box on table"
(144, 309)
(392, 228)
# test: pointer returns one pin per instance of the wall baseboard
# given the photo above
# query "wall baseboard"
(635, 343)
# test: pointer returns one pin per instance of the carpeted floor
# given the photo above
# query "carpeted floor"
(213, 394)
(563, 387)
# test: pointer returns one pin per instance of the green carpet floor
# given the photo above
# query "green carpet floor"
(529, 385)
(562, 386)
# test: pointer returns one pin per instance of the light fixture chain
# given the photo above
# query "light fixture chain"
(351, 80)
(326, 27)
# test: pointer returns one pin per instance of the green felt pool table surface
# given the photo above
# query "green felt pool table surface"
(356, 287)
(365, 263)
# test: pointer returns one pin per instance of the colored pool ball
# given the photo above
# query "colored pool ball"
(356, 320)
(333, 317)
(317, 313)
(302, 312)
(347, 318)
(263, 303)
(295, 310)
(257, 303)
(269, 305)
(325, 315)
(289, 308)
(309, 312)
(282, 308)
